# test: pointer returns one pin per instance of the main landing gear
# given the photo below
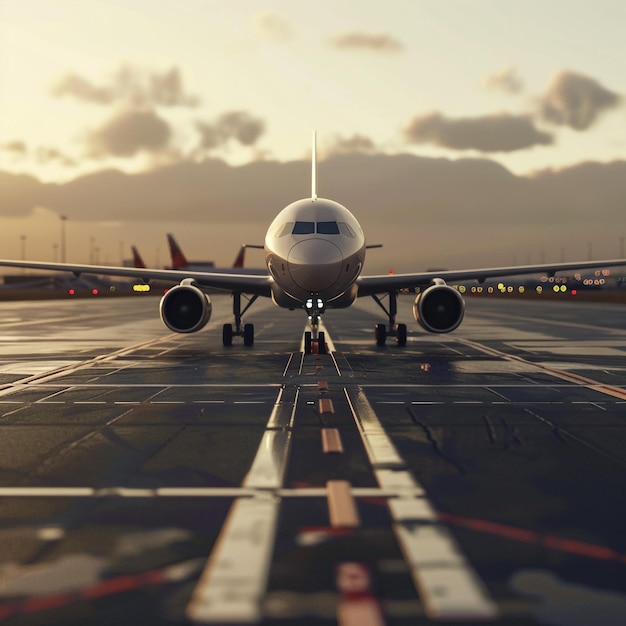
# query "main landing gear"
(247, 331)
(393, 330)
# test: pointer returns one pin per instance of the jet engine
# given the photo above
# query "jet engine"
(439, 308)
(185, 308)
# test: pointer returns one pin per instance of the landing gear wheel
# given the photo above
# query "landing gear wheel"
(307, 342)
(381, 334)
(401, 334)
(248, 334)
(227, 335)
(321, 343)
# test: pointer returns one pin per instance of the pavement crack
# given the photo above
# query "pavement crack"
(435, 443)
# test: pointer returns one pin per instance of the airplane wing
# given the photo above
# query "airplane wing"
(370, 285)
(250, 283)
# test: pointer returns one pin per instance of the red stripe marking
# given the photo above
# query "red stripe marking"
(551, 542)
(111, 586)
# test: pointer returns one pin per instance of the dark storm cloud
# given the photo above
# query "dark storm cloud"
(505, 80)
(575, 100)
(130, 85)
(128, 133)
(402, 200)
(382, 42)
(490, 133)
(237, 125)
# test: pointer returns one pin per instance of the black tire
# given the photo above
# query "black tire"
(248, 334)
(227, 335)
(307, 342)
(381, 334)
(401, 334)
(321, 343)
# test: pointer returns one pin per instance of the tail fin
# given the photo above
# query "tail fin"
(137, 260)
(241, 255)
(314, 168)
(179, 260)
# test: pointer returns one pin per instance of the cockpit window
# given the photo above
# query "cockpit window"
(285, 229)
(327, 228)
(303, 228)
(309, 228)
(345, 229)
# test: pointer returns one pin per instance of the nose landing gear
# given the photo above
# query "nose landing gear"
(314, 340)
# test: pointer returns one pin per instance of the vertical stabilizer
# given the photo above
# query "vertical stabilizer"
(314, 168)
(137, 260)
(240, 259)
(179, 260)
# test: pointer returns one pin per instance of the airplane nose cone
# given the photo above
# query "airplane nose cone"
(315, 264)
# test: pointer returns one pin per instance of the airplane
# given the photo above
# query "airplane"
(314, 253)
(137, 258)
(179, 260)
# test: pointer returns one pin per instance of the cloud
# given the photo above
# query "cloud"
(17, 148)
(505, 80)
(367, 41)
(46, 155)
(129, 85)
(576, 101)
(350, 145)
(448, 208)
(501, 132)
(273, 27)
(237, 125)
(167, 90)
(128, 133)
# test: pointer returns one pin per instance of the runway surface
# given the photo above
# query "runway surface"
(154, 478)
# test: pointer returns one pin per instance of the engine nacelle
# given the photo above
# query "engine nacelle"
(185, 308)
(439, 308)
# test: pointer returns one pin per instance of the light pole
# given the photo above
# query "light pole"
(63, 250)
(23, 247)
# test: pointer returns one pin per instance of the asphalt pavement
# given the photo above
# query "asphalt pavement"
(475, 477)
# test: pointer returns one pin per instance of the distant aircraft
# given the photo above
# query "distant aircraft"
(137, 259)
(314, 253)
(180, 262)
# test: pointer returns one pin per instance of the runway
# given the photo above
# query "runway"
(475, 477)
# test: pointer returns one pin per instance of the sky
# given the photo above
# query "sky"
(137, 85)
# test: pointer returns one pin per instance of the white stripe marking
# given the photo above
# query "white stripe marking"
(234, 580)
(447, 584)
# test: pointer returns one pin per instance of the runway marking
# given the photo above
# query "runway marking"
(72, 367)
(584, 381)
(325, 405)
(234, 579)
(103, 588)
(358, 606)
(392, 491)
(445, 581)
(341, 506)
(331, 441)
(551, 542)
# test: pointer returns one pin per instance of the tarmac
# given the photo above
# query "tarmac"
(474, 477)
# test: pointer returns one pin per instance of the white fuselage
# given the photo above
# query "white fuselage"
(315, 247)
